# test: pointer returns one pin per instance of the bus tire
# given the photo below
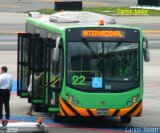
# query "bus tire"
(126, 119)
(57, 118)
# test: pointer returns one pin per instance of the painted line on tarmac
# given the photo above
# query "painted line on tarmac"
(155, 42)
(8, 43)
(46, 120)
(152, 109)
(151, 34)
(9, 6)
(11, 32)
(151, 31)
(95, 3)
(86, 3)
(151, 86)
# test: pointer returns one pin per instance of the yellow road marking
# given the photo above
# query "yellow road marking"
(95, 3)
(8, 6)
(151, 35)
(151, 31)
(11, 32)
(87, 3)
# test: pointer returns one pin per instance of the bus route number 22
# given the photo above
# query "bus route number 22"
(78, 80)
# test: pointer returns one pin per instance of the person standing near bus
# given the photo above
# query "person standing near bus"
(37, 77)
(5, 89)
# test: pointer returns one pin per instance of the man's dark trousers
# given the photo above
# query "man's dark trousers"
(4, 99)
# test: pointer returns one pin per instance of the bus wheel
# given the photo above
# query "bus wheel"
(126, 119)
(57, 118)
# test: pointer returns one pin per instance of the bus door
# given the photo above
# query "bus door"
(37, 70)
(51, 98)
(23, 64)
(53, 76)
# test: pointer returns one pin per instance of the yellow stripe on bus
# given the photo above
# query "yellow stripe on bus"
(137, 110)
(66, 109)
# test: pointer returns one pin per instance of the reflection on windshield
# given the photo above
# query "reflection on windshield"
(96, 66)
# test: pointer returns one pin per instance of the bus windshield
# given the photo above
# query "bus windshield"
(103, 66)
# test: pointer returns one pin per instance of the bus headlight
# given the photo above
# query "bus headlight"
(134, 99)
(75, 102)
(70, 98)
(129, 103)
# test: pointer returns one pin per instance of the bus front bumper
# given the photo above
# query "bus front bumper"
(68, 109)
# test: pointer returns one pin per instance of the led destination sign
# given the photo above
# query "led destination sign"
(103, 33)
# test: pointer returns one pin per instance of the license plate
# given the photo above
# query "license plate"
(102, 112)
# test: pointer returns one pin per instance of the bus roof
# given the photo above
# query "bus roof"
(59, 21)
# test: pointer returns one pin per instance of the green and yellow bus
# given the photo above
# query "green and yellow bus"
(91, 66)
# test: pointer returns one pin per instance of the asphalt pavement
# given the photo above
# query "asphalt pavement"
(28, 5)
(149, 24)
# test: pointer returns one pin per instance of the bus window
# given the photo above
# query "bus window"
(122, 65)
(56, 68)
(83, 64)
(23, 63)
(112, 63)
(37, 63)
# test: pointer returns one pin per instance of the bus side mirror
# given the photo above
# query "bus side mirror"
(56, 50)
(146, 50)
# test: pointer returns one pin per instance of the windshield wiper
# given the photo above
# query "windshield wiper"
(117, 45)
(88, 46)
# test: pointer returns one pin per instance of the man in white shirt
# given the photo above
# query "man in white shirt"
(5, 88)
